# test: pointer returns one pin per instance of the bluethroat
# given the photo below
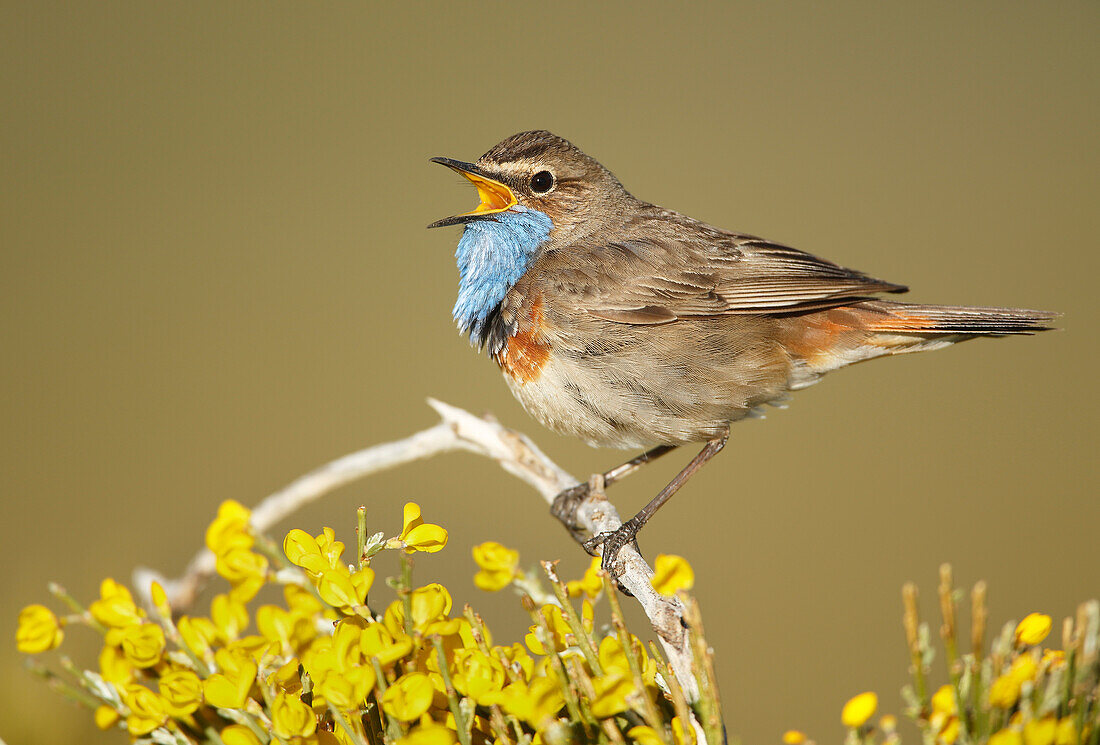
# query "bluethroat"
(630, 325)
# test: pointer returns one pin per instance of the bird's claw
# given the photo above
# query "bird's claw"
(611, 543)
(566, 504)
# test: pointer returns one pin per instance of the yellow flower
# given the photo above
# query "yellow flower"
(240, 565)
(683, 735)
(430, 606)
(285, 628)
(429, 734)
(1033, 629)
(346, 689)
(336, 588)
(794, 737)
(561, 635)
(143, 644)
(229, 688)
(1066, 733)
(1024, 668)
(498, 566)
(229, 614)
(1005, 691)
(115, 608)
(39, 630)
(417, 535)
(147, 710)
(476, 674)
(949, 732)
(229, 529)
(376, 641)
(182, 691)
(302, 550)
(290, 717)
(590, 585)
(672, 573)
(612, 657)
(859, 709)
(408, 697)
(1040, 731)
(199, 634)
(536, 703)
(1006, 737)
(611, 689)
(943, 700)
(518, 659)
(106, 717)
(238, 734)
(114, 667)
(160, 600)
(331, 549)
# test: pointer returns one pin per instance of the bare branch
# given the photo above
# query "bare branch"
(515, 453)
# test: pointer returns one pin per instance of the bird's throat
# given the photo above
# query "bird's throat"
(492, 255)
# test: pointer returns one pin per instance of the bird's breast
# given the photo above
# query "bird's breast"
(525, 352)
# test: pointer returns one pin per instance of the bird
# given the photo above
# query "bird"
(633, 326)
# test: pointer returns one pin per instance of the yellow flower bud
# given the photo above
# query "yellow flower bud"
(672, 573)
(115, 608)
(182, 690)
(147, 710)
(1033, 629)
(1006, 737)
(793, 737)
(39, 630)
(143, 644)
(859, 709)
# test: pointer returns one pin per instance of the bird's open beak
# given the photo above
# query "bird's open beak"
(495, 196)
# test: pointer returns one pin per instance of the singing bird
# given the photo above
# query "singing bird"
(630, 325)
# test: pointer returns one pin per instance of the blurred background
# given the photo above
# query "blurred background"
(214, 276)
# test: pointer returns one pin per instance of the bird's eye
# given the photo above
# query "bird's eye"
(542, 182)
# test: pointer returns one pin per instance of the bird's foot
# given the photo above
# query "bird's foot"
(566, 504)
(611, 543)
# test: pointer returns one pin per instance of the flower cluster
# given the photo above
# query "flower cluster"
(1017, 693)
(335, 663)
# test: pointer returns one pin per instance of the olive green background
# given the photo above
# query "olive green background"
(214, 277)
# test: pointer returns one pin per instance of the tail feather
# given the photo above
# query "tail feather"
(837, 337)
(887, 316)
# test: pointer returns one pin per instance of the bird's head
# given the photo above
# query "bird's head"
(540, 171)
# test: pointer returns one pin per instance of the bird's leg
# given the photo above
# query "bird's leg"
(613, 541)
(566, 502)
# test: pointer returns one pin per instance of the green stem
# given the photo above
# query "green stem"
(569, 613)
(452, 697)
(340, 719)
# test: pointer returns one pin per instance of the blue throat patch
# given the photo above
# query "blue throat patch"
(492, 255)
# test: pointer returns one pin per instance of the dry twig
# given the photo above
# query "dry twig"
(517, 454)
